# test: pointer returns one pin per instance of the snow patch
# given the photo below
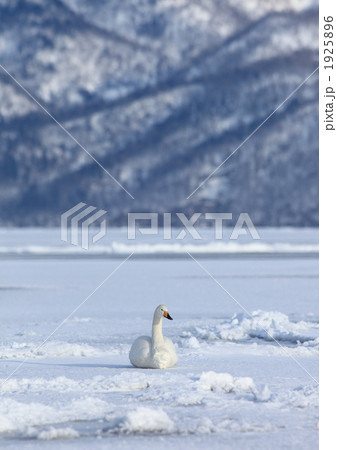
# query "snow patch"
(99, 384)
(18, 416)
(265, 325)
(189, 341)
(144, 420)
(213, 247)
(120, 248)
(227, 383)
(300, 397)
(52, 349)
(147, 420)
(58, 433)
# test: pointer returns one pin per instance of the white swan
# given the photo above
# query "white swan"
(155, 353)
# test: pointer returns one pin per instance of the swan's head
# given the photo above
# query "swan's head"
(162, 310)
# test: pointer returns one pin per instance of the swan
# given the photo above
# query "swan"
(157, 352)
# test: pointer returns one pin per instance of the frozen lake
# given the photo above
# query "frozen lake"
(233, 387)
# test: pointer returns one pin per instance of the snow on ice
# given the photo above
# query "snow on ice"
(233, 387)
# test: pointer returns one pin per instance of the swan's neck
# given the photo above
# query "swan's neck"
(157, 333)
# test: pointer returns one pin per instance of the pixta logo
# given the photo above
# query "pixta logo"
(77, 220)
(244, 225)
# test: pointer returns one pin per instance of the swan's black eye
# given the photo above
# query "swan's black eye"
(161, 309)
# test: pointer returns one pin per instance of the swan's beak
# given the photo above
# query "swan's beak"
(167, 315)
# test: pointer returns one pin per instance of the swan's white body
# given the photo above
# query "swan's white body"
(157, 352)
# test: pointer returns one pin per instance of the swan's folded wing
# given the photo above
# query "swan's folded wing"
(170, 348)
(140, 351)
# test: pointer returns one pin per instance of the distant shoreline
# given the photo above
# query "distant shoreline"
(202, 255)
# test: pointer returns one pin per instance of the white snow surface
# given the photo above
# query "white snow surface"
(115, 243)
(248, 348)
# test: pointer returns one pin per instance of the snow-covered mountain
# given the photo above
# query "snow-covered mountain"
(160, 93)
